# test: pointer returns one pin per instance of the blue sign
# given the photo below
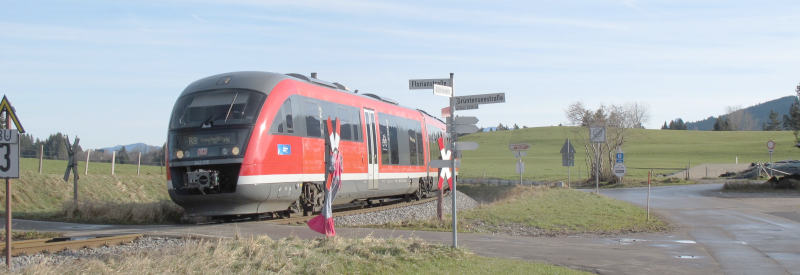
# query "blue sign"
(284, 149)
(619, 157)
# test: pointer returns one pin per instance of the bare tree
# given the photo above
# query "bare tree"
(739, 119)
(616, 119)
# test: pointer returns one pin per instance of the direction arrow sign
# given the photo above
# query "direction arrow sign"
(466, 129)
(466, 120)
(418, 84)
(466, 146)
(480, 99)
(519, 147)
(443, 163)
(442, 90)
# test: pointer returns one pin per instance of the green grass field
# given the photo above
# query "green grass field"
(298, 256)
(643, 149)
(47, 196)
(537, 211)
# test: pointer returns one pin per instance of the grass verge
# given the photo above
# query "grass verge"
(535, 211)
(122, 213)
(297, 256)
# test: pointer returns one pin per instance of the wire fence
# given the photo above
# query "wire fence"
(104, 158)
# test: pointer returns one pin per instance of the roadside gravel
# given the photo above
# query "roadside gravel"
(139, 245)
(415, 212)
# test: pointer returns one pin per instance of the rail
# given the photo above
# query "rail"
(58, 244)
(304, 219)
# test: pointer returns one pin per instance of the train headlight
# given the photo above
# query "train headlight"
(235, 151)
(179, 154)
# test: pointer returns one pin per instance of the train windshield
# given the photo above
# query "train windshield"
(215, 108)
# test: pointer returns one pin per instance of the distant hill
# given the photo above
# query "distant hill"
(759, 113)
(136, 147)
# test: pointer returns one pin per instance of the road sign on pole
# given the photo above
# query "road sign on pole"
(466, 107)
(620, 156)
(466, 146)
(771, 145)
(567, 154)
(464, 120)
(420, 84)
(597, 134)
(9, 146)
(519, 147)
(480, 99)
(442, 90)
(619, 169)
(466, 129)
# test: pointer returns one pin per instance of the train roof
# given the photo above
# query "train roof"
(266, 81)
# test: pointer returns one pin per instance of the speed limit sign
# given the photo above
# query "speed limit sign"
(771, 146)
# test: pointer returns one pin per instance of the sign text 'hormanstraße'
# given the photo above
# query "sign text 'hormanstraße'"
(416, 84)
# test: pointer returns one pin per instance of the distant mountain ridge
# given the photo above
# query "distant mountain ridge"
(759, 113)
(136, 147)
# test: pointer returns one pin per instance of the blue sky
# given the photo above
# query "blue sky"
(110, 71)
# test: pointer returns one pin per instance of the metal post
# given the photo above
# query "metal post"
(771, 165)
(113, 161)
(139, 165)
(649, 174)
(8, 208)
(596, 171)
(520, 169)
(41, 157)
(569, 176)
(88, 155)
(454, 137)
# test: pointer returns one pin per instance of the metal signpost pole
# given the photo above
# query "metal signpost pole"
(649, 174)
(596, 172)
(8, 209)
(454, 137)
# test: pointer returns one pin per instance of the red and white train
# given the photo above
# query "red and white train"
(248, 143)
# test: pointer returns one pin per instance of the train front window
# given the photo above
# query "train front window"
(219, 107)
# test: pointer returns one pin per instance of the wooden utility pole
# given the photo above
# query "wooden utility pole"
(88, 155)
(113, 161)
(41, 157)
(139, 165)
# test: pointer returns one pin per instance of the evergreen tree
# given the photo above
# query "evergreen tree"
(773, 124)
(792, 121)
(722, 124)
(665, 127)
(516, 127)
(122, 156)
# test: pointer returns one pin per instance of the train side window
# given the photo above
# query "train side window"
(385, 152)
(412, 147)
(420, 156)
(283, 119)
(313, 114)
(394, 144)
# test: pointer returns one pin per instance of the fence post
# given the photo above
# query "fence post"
(88, 154)
(113, 161)
(41, 157)
(139, 164)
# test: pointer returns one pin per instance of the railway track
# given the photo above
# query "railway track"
(304, 219)
(53, 245)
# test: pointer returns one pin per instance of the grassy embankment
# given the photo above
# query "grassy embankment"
(121, 198)
(296, 256)
(535, 211)
(643, 149)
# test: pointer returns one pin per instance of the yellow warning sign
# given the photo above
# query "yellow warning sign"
(5, 106)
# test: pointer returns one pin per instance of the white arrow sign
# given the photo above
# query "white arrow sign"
(444, 163)
(466, 129)
(466, 145)
(466, 120)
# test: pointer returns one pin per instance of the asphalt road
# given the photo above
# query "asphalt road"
(744, 233)
(714, 234)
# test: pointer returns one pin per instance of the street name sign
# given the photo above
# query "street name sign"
(519, 147)
(442, 90)
(597, 134)
(466, 146)
(9, 153)
(420, 84)
(480, 99)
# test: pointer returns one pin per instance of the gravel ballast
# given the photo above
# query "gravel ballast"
(423, 211)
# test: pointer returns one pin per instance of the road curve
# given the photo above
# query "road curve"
(744, 233)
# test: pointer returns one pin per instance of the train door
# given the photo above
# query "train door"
(372, 150)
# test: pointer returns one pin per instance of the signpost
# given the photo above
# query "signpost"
(10, 169)
(619, 170)
(771, 148)
(520, 150)
(455, 125)
(597, 134)
(568, 158)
